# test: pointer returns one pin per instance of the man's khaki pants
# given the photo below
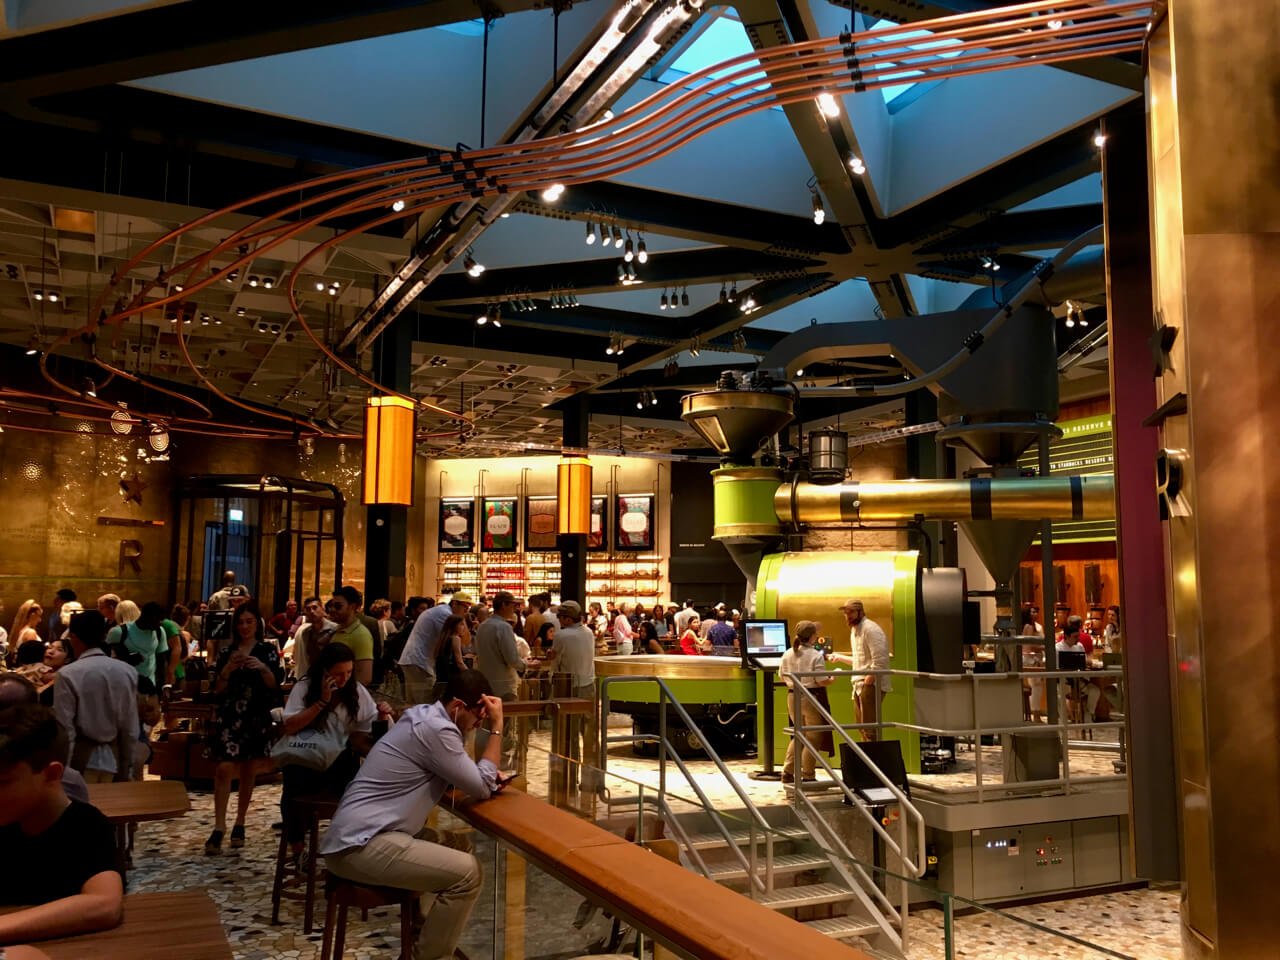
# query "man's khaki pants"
(448, 878)
(867, 698)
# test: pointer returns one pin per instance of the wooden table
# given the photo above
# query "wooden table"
(182, 925)
(136, 801)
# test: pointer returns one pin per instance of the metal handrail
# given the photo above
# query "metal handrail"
(756, 820)
(899, 797)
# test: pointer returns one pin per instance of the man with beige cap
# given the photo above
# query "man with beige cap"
(870, 649)
(573, 651)
(418, 661)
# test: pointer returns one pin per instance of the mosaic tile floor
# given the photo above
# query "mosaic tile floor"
(1141, 924)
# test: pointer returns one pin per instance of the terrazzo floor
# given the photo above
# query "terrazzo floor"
(1140, 924)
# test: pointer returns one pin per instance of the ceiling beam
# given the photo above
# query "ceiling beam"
(203, 33)
(600, 275)
(1024, 230)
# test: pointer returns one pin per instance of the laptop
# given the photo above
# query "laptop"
(862, 780)
(1071, 660)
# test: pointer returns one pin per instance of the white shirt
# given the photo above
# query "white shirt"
(870, 652)
(96, 699)
(801, 659)
(301, 662)
(682, 619)
(575, 649)
(404, 777)
(337, 721)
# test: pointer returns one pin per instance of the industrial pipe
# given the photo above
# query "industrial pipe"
(1021, 498)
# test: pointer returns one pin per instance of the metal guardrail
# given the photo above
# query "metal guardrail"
(755, 820)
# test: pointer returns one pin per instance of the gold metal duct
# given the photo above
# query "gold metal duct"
(1031, 498)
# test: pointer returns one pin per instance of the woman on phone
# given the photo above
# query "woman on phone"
(329, 699)
(245, 681)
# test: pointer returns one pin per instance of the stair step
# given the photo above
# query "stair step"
(788, 898)
(838, 928)
(706, 841)
(787, 863)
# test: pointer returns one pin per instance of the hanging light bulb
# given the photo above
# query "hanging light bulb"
(819, 211)
(629, 253)
(600, 234)
(642, 253)
(617, 236)
(591, 234)
(662, 304)
(482, 318)
(684, 297)
(640, 401)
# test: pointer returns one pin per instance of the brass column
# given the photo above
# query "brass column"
(1214, 129)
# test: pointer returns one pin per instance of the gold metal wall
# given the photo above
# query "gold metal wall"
(1214, 128)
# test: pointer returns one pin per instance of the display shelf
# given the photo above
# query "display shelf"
(625, 577)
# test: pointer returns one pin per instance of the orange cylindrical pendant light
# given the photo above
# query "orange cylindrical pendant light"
(388, 452)
(573, 493)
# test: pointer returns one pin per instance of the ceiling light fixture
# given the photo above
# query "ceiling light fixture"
(1099, 139)
(724, 294)
(733, 292)
(495, 316)
(53, 296)
(629, 250)
(319, 286)
(819, 211)
(37, 295)
(398, 206)
(240, 311)
(662, 304)
(473, 267)
(684, 298)
(553, 193)
(739, 341)
(591, 233)
(828, 105)
(617, 236)
(253, 281)
(90, 388)
(600, 234)
(33, 347)
(642, 252)
(695, 347)
(267, 282)
(856, 165)
(631, 273)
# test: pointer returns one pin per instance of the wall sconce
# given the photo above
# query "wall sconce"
(388, 452)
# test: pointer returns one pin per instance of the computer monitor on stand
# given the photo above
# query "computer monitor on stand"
(763, 644)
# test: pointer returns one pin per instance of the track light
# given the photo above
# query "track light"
(856, 165)
(90, 388)
(622, 273)
(748, 304)
(591, 234)
(319, 286)
(724, 294)
(739, 341)
(631, 272)
(653, 399)
(609, 349)
(37, 295)
(253, 281)
(33, 347)
(671, 368)
(473, 267)
(204, 319)
(1099, 139)
(828, 105)
(989, 263)
(495, 316)
(733, 293)
(695, 347)
(178, 288)
(617, 236)
(819, 211)
(53, 296)
(600, 234)
(1071, 320)
(267, 282)
(397, 206)
(629, 250)
(662, 304)
(240, 311)
(233, 276)
(684, 298)
(642, 252)
(553, 193)
(640, 401)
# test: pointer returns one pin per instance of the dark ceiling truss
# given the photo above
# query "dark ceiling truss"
(693, 218)
(600, 275)
(203, 33)
(1123, 71)
(1044, 229)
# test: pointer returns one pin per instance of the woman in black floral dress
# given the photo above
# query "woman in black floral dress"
(245, 680)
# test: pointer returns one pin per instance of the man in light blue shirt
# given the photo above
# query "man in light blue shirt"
(377, 834)
(419, 657)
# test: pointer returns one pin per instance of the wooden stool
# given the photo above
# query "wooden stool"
(298, 881)
(342, 895)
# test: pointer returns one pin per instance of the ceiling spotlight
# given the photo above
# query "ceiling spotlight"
(828, 105)
(819, 211)
(684, 298)
(856, 164)
(739, 341)
(622, 273)
(482, 317)
(1071, 320)
(1099, 139)
(268, 282)
(319, 286)
(653, 399)
(178, 288)
(733, 293)
(253, 281)
(33, 347)
(695, 347)
(334, 290)
(591, 234)
(617, 236)
(159, 438)
(37, 295)
(397, 206)
(473, 267)
(642, 252)
(600, 234)
(629, 249)
(989, 263)
(671, 368)
(609, 349)
(204, 319)
(495, 316)
(504, 215)
(553, 193)
(1083, 320)
(631, 272)
(90, 388)
(1055, 24)
(640, 401)
(53, 296)
(662, 304)
(724, 294)
(240, 311)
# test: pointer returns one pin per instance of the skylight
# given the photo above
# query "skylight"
(722, 39)
(926, 45)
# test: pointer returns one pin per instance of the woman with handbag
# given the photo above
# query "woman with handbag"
(328, 726)
(244, 680)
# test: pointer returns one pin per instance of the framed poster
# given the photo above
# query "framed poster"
(457, 526)
(598, 538)
(539, 523)
(499, 534)
(634, 530)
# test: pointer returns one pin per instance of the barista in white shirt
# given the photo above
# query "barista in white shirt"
(870, 649)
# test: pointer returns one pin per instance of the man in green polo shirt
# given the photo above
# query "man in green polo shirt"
(344, 608)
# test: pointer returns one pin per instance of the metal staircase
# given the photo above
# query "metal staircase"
(788, 858)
